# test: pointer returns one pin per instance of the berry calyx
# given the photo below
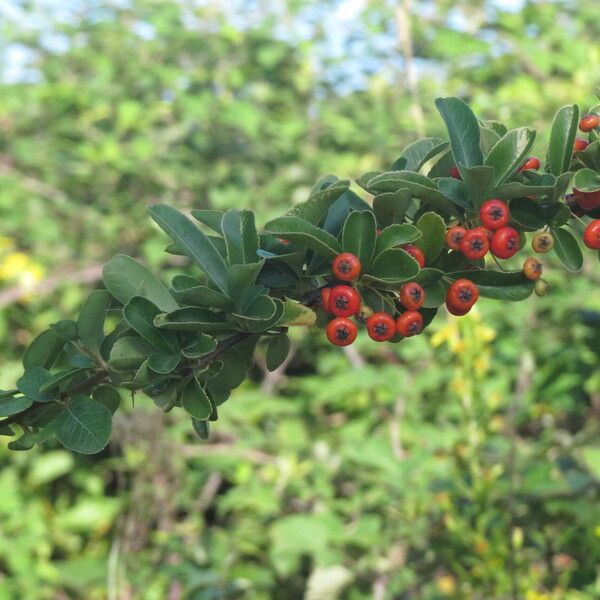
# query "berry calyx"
(454, 172)
(341, 331)
(325, 297)
(541, 287)
(591, 235)
(475, 243)
(505, 242)
(454, 237)
(344, 301)
(415, 252)
(543, 242)
(462, 294)
(580, 145)
(381, 327)
(532, 268)
(346, 267)
(494, 214)
(532, 163)
(409, 323)
(589, 122)
(412, 295)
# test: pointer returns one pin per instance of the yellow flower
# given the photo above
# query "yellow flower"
(485, 333)
(446, 584)
(6, 243)
(597, 530)
(13, 265)
(533, 595)
(447, 332)
(31, 275)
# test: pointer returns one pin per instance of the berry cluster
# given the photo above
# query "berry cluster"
(343, 301)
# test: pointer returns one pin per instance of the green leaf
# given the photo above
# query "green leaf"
(84, 425)
(186, 290)
(358, 236)
(195, 400)
(420, 187)
(463, 130)
(433, 240)
(31, 382)
(396, 235)
(13, 406)
(191, 319)
(163, 363)
(241, 238)
(65, 329)
(128, 353)
(43, 350)
(489, 138)
(59, 378)
(305, 235)
(296, 314)
(196, 243)
(107, 396)
(527, 213)
(456, 191)
(510, 153)
(139, 313)
(421, 151)
(511, 285)
(392, 267)
(241, 282)
(210, 218)
(591, 459)
(318, 203)
(25, 442)
(202, 428)
(562, 137)
(90, 324)
(587, 180)
(340, 209)
(391, 207)
(478, 183)
(567, 249)
(125, 278)
(201, 346)
(277, 351)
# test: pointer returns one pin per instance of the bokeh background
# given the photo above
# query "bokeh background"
(463, 464)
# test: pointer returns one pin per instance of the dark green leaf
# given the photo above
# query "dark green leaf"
(358, 236)
(163, 363)
(84, 425)
(13, 406)
(129, 353)
(32, 380)
(44, 350)
(314, 209)
(201, 346)
(305, 235)
(421, 151)
(391, 207)
(433, 239)
(396, 235)
(195, 400)
(241, 238)
(107, 396)
(125, 278)
(90, 324)
(191, 319)
(139, 313)
(196, 243)
(567, 249)
(510, 153)
(392, 267)
(528, 213)
(587, 180)
(562, 137)
(277, 351)
(463, 130)
(210, 218)
(511, 285)
(202, 428)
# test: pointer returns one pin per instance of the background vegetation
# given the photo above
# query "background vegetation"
(461, 464)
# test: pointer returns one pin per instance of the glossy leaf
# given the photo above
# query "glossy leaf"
(562, 136)
(567, 249)
(358, 236)
(241, 238)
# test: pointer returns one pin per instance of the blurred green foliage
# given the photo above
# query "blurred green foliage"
(464, 464)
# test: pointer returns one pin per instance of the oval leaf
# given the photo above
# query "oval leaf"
(568, 250)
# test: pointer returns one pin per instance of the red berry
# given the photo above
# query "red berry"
(454, 237)
(589, 122)
(454, 172)
(580, 145)
(409, 323)
(412, 295)
(505, 242)
(462, 294)
(341, 331)
(381, 327)
(542, 242)
(532, 163)
(325, 296)
(587, 200)
(344, 301)
(415, 252)
(494, 214)
(346, 266)
(475, 243)
(457, 311)
(591, 235)
(532, 268)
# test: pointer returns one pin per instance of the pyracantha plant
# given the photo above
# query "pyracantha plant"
(430, 231)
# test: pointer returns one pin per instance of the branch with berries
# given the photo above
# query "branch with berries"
(433, 230)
